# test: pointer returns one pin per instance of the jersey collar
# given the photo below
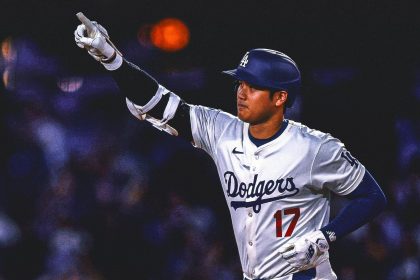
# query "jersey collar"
(259, 142)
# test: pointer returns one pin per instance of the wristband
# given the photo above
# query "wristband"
(109, 59)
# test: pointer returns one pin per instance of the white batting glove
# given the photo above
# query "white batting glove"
(98, 45)
(307, 251)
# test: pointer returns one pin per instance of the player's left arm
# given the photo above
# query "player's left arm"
(349, 178)
(366, 202)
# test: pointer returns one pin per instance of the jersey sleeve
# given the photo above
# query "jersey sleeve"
(207, 126)
(335, 168)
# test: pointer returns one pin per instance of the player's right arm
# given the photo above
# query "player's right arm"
(145, 97)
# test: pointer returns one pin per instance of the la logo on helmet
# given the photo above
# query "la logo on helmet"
(244, 60)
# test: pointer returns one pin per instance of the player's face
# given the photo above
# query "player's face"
(255, 106)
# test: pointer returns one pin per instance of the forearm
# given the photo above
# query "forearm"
(367, 201)
(135, 83)
(139, 87)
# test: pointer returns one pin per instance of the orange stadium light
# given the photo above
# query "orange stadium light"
(170, 34)
(7, 50)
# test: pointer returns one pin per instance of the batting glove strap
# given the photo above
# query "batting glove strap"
(114, 62)
(330, 236)
(318, 238)
(307, 251)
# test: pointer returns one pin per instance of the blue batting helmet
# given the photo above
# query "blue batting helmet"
(269, 69)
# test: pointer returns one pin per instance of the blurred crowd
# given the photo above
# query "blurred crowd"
(88, 192)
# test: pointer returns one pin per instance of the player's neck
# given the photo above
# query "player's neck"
(266, 129)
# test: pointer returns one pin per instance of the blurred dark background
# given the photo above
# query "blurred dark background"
(88, 192)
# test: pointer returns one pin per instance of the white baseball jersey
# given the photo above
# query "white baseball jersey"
(275, 192)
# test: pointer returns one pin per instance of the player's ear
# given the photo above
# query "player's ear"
(280, 97)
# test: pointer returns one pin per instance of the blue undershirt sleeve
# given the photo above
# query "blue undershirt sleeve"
(367, 201)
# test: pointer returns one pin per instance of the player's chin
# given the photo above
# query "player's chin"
(243, 116)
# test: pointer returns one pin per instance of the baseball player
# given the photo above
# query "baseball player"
(276, 174)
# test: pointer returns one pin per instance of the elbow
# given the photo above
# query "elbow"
(380, 202)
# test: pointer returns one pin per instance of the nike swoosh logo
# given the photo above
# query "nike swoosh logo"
(234, 151)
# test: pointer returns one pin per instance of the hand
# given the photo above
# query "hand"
(95, 41)
(307, 251)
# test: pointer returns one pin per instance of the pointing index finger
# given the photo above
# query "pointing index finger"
(90, 27)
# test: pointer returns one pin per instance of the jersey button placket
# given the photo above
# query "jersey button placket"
(251, 221)
(250, 237)
(255, 162)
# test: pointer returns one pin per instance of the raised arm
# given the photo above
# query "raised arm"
(145, 97)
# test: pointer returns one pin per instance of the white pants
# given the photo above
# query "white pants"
(323, 272)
